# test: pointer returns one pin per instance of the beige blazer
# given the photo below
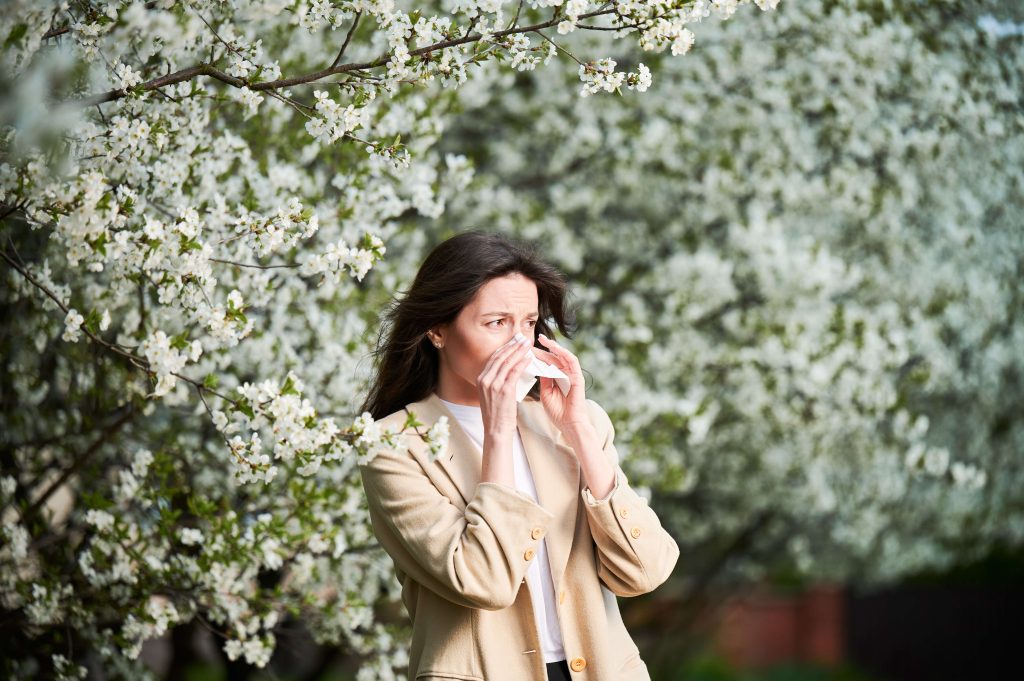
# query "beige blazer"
(461, 548)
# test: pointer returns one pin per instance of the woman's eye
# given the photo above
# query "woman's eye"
(533, 322)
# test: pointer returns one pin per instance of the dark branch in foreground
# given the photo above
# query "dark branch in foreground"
(213, 72)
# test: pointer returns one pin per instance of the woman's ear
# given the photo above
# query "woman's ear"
(435, 337)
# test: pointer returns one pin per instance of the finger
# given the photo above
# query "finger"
(544, 355)
(564, 360)
(499, 355)
(513, 366)
(561, 352)
(494, 374)
(552, 344)
(520, 353)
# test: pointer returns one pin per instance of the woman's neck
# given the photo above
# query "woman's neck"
(455, 390)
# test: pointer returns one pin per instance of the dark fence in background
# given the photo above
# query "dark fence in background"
(964, 625)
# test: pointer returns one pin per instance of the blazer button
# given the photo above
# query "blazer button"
(537, 533)
(635, 532)
(529, 554)
(577, 664)
(623, 512)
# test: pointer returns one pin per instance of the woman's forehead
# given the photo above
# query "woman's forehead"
(511, 295)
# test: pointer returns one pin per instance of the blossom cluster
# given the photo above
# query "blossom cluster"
(601, 75)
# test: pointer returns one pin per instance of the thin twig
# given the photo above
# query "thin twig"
(515, 19)
(591, 27)
(135, 360)
(348, 37)
(559, 48)
(79, 461)
(254, 266)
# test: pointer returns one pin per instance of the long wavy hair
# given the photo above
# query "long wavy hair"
(407, 365)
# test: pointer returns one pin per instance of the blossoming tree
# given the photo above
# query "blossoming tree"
(192, 194)
(799, 261)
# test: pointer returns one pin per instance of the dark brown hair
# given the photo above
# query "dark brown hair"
(407, 363)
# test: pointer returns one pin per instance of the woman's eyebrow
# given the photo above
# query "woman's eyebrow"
(507, 314)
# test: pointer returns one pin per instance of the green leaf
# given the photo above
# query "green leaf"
(99, 244)
(244, 407)
(92, 322)
(186, 244)
(200, 506)
(16, 34)
(289, 387)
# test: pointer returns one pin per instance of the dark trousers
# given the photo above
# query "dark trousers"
(558, 671)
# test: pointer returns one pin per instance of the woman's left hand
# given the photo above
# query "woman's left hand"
(570, 410)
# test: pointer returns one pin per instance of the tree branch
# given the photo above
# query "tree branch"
(79, 461)
(348, 37)
(255, 266)
(135, 360)
(213, 72)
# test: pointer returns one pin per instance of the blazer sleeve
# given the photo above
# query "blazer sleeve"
(476, 558)
(635, 553)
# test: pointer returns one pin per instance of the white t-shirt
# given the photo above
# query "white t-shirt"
(538, 574)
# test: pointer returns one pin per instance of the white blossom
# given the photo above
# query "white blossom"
(101, 520)
(191, 536)
(125, 76)
(437, 438)
(72, 325)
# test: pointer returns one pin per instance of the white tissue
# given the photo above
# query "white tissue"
(536, 368)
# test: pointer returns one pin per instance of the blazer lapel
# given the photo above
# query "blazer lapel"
(553, 464)
(460, 462)
(556, 474)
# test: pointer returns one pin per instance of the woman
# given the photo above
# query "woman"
(513, 544)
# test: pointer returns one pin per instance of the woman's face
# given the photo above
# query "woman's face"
(502, 306)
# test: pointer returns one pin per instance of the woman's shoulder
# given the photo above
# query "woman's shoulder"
(599, 417)
(400, 440)
(396, 417)
(398, 421)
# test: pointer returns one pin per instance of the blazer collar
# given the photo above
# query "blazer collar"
(553, 464)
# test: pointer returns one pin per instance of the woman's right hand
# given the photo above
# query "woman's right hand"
(496, 386)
